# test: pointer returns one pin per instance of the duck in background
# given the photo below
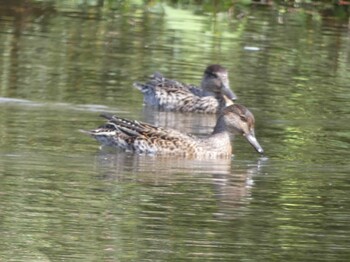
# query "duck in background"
(171, 95)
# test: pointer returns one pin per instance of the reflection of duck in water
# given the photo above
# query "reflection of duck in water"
(222, 185)
(233, 190)
(171, 95)
(144, 138)
(189, 123)
(196, 124)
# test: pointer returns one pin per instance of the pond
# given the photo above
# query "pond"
(62, 198)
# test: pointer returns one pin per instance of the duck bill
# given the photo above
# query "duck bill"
(252, 140)
(228, 92)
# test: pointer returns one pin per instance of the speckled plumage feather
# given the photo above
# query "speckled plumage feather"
(143, 138)
(172, 95)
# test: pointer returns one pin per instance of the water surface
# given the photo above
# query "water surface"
(64, 199)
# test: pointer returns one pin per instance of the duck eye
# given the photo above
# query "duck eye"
(243, 118)
(211, 74)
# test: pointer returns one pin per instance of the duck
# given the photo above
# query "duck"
(147, 139)
(171, 95)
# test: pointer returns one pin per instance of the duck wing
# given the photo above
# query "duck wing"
(143, 138)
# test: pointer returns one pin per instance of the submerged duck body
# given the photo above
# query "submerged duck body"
(171, 95)
(143, 138)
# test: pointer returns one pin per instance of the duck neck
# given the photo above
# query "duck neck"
(219, 140)
(220, 126)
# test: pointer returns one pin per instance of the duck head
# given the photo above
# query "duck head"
(237, 119)
(215, 81)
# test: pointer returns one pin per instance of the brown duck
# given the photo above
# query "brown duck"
(143, 138)
(171, 95)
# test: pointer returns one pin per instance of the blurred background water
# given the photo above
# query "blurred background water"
(64, 62)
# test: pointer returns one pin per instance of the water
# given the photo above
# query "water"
(64, 199)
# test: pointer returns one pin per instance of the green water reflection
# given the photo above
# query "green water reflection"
(61, 198)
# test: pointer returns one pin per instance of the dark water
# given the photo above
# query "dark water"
(61, 198)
